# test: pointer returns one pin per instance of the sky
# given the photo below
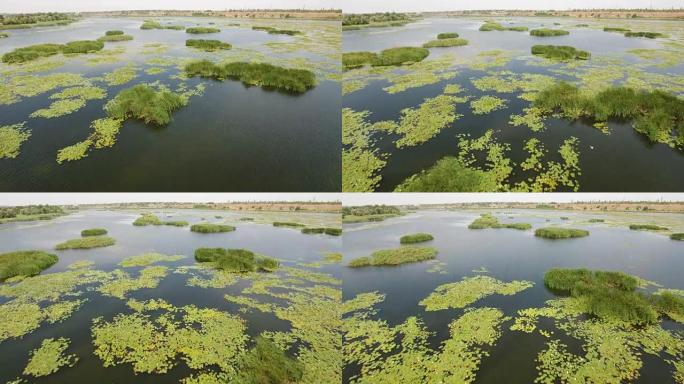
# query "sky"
(10, 199)
(18, 6)
(442, 198)
(361, 6)
(348, 6)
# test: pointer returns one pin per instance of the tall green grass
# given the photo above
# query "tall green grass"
(646, 227)
(93, 232)
(560, 233)
(86, 243)
(560, 52)
(211, 228)
(142, 102)
(443, 43)
(24, 263)
(416, 238)
(396, 256)
(260, 74)
(207, 45)
(236, 260)
(545, 32)
(200, 30)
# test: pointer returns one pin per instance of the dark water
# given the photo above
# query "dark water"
(233, 138)
(265, 239)
(508, 255)
(624, 161)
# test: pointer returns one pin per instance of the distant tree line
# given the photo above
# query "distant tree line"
(365, 210)
(367, 18)
(32, 18)
(11, 212)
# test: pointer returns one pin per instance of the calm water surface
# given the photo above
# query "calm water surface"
(507, 255)
(232, 138)
(289, 245)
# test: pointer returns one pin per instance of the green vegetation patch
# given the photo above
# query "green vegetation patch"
(202, 337)
(488, 221)
(11, 139)
(93, 232)
(368, 213)
(416, 238)
(447, 35)
(327, 231)
(236, 260)
(50, 357)
(545, 32)
(200, 30)
(146, 219)
(287, 224)
(677, 236)
(615, 29)
(647, 227)
(211, 228)
(119, 283)
(443, 43)
(259, 74)
(648, 35)
(207, 45)
(115, 38)
(486, 104)
(357, 59)
(494, 26)
(276, 31)
(266, 362)
(60, 108)
(74, 152)
(142, 102)
(396, 256)
(612, 296)
(114, 33)
(560, 52)
(152, 24)
(469, 290)
(24, 263)
(86, 243)
(400, 56)
(656, 114)
(560, 233)
(82, 46)
(146, 259)
(32, 52)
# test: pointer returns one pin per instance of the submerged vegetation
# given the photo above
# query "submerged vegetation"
(211, 228)
(544, 32)
(560, 52)
(416, 238)
(470, 290)
(207, 45)
(86, 243)
(488, 221)
(560, 233)
(656, 114)
(259, 74)
(396, 256)
(236, 260)
(24, 263)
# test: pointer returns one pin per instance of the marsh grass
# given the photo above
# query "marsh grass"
(488, 221)
(31, 52)
(151, 24)
(443, 43)
(656, 114)
(115, 38)
(321, 230)
(396, 256)
(236, 260)
(207, 45)
(596, 220)
(677, 236)
(612, 295)
(560, 233)
(416, 238)
(447, 35)
(615, 29)
(82, 46)
(545, 32)
(352, 60)
(287, 224)
(259, 74)
(211, 228)
(93, 232)
(114, 33)
(452, 175)
(400, 56)
(493, 26)
(267, 363)
(142, 102)
(86, 243)
(276, 31)
(200, 30)
(560, 52)
(3, 35)
(647, 227)
(648, 35)
(24, 263)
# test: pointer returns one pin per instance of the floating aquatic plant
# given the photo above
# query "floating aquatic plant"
(486, 104)
(146, 259)
(120, 283)
(50, 357)
(60, 108)
(470, 290)
(11, 139)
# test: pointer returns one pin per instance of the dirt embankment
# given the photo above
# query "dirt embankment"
(321, 14)
(643, 206)
(578, 13)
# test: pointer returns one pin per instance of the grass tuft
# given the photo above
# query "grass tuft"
(24, 263)
(560, 233)
(416, 238)
(236, 260)
(396, 256)
(86, 243)
(211, 228)
(93, 232)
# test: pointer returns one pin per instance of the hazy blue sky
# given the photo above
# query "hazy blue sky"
(14, 6)
(90, 198)
(353, 6)
(440, 198)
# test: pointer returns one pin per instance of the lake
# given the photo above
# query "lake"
(229, 137)
(507, 255)
(499, 64)
(305, 284)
